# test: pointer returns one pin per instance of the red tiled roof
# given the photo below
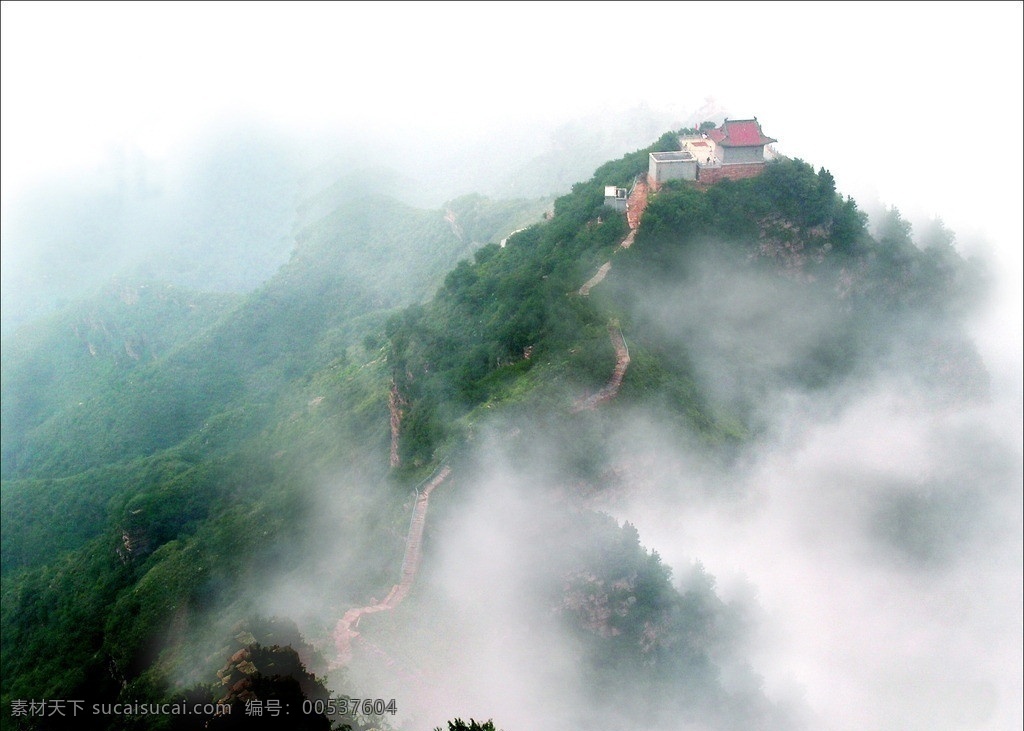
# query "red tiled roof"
(740, 133)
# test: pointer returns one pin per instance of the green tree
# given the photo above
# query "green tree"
(893, 229)
(459, 725)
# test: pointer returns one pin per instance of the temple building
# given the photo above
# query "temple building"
(735, 150)
(739, 141)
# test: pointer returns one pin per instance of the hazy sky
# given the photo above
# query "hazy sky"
(908, 105)
(856, 86)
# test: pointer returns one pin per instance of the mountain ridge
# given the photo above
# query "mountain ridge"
(215, 483)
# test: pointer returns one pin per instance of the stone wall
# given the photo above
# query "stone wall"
(710, 175)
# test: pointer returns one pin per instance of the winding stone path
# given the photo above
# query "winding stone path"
(344, 631)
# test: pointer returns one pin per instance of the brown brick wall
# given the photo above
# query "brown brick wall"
(708, 176)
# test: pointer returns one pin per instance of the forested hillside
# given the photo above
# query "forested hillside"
(149, 432)
(178, 466)
(783, 252)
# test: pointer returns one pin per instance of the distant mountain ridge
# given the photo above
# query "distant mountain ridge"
(222, 213)
(219, 450)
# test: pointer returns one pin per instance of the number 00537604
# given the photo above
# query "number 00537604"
(348, 706)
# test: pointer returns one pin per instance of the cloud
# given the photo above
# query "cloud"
(882, 536)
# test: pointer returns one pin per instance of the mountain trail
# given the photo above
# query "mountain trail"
(344, 631)
(596, 279)
(504, 241)
(610, 389)
(635, 206)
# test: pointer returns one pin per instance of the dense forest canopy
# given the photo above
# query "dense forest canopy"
(170, 456)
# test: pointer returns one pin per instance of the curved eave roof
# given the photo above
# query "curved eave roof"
(740, 133)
